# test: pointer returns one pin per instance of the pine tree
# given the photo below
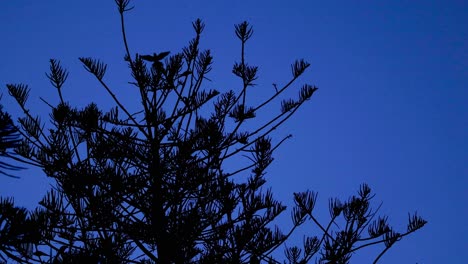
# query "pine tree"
(152, 186)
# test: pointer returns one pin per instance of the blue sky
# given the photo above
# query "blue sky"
(391, 109)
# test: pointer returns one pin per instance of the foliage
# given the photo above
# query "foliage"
(9, 139)
(153, 186)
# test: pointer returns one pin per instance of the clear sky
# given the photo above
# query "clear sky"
(391, 109)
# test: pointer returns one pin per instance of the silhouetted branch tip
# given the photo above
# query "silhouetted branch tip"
(122, 6)
(415, 222)
(198, 26)
(94, 66)
(57, 75)
(20, 92)
(244, 31)
(299, 67)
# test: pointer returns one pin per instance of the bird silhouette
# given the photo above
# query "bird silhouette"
(156, 59)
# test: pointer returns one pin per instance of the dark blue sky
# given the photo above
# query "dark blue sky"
(391, 109)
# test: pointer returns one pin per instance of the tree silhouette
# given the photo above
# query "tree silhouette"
(153, 186)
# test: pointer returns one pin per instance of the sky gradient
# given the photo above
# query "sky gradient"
(391, 109)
